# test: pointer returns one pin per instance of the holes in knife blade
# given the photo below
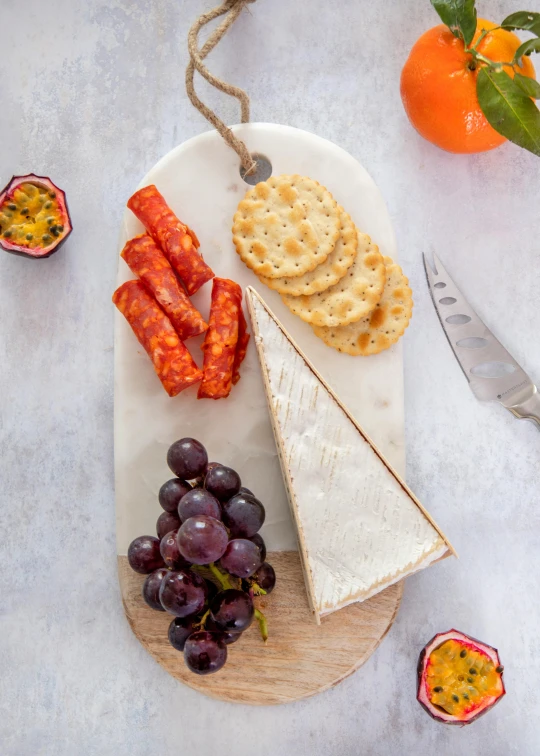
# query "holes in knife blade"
(448, 300)
(458, 319)
(439, 285)
(493, 369)
(472, 342)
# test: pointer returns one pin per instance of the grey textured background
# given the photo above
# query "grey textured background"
(92, 95)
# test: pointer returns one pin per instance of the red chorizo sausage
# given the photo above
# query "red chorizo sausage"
(172, 361)
(221, 339)
(148, 262)
(178, 242)
(241, 347)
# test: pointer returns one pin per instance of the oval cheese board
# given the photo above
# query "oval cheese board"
(303, 655)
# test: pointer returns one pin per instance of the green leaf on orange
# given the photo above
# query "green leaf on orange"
(531, 45)
(459, 16)
(524, 20)
(508, 109)
(530, 86)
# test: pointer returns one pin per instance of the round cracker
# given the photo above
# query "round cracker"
(352, 298)
(327, 273)
(383, 327)
(286, 226)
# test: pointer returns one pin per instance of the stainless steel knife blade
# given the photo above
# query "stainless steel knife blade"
(492, 372)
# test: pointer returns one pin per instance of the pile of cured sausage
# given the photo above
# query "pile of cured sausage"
(170, 268)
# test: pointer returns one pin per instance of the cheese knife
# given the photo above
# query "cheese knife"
(492, 372)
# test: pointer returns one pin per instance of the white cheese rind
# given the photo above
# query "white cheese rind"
(359, 529)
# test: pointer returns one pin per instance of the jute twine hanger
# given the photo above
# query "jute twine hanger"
(231, 9)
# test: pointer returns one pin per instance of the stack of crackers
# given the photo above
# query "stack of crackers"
(296, 238)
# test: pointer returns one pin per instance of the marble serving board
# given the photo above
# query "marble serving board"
(201, 181)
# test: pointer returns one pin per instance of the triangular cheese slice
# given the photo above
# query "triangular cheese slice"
(360, 529)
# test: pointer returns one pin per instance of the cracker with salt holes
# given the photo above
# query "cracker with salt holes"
(327, 273)
(286, 226)
(352, 298)
(383, 327)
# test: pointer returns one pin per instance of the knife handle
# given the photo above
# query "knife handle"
(529, 409)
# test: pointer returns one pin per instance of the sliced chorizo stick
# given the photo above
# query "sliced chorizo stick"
(221, 339)
(148, 262)
(172, 361)
(241, 347)
(177, 241)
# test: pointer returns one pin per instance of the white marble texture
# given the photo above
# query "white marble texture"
(93, 95)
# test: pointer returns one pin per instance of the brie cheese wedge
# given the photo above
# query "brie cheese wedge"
(360, 529)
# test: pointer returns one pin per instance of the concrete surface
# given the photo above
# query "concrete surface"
(92, 95)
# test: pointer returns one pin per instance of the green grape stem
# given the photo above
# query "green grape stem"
(263, 625)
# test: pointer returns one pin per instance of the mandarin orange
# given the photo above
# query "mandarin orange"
(438, 87)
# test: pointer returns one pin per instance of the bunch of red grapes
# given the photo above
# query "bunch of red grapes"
(208, 561)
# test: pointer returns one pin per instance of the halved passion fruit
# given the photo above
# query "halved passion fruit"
(34, 217)
(459, 678)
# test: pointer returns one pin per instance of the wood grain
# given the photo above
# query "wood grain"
(300, 658)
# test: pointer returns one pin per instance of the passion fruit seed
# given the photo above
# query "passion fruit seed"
(29, 237)
(455, 698)
(438, 689)
(466, 696)
(25, 211)
(47, 205)
(46, 238)
(463, 653)
(469, 679)
(52, 195)
(12, 206)
(7, 234)
(472, 671)
(499, 669)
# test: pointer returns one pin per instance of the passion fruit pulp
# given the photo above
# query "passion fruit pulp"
(459, 678)
(34, 217)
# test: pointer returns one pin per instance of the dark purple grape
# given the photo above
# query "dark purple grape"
(243, 515)
(179, 631)
(223, 482)
(171, 492)
(232, 611)
(205, 653)
(228, 638)
(166, 522)
(265, 577)
(202, 539)
(144, 556)
(258, 541)
(170, 552)
(151, 586)
(187, 458)
(183, 593)
(244, 490)
(241, 557)
(199, 501)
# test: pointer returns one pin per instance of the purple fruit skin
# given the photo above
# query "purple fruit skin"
(171, 492)
(265, 577)
(227, 637)
(170, 553)
(205, 653)
(166, 522)
(258, 541)
(223, 482)
(241, 557)
(183, 593)
(202, 539)
(187, 458)
(144, 556)
(151, 586)
(179, 631)
(199, 501)
(244, 515)
(244, 490)
(232, 610)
